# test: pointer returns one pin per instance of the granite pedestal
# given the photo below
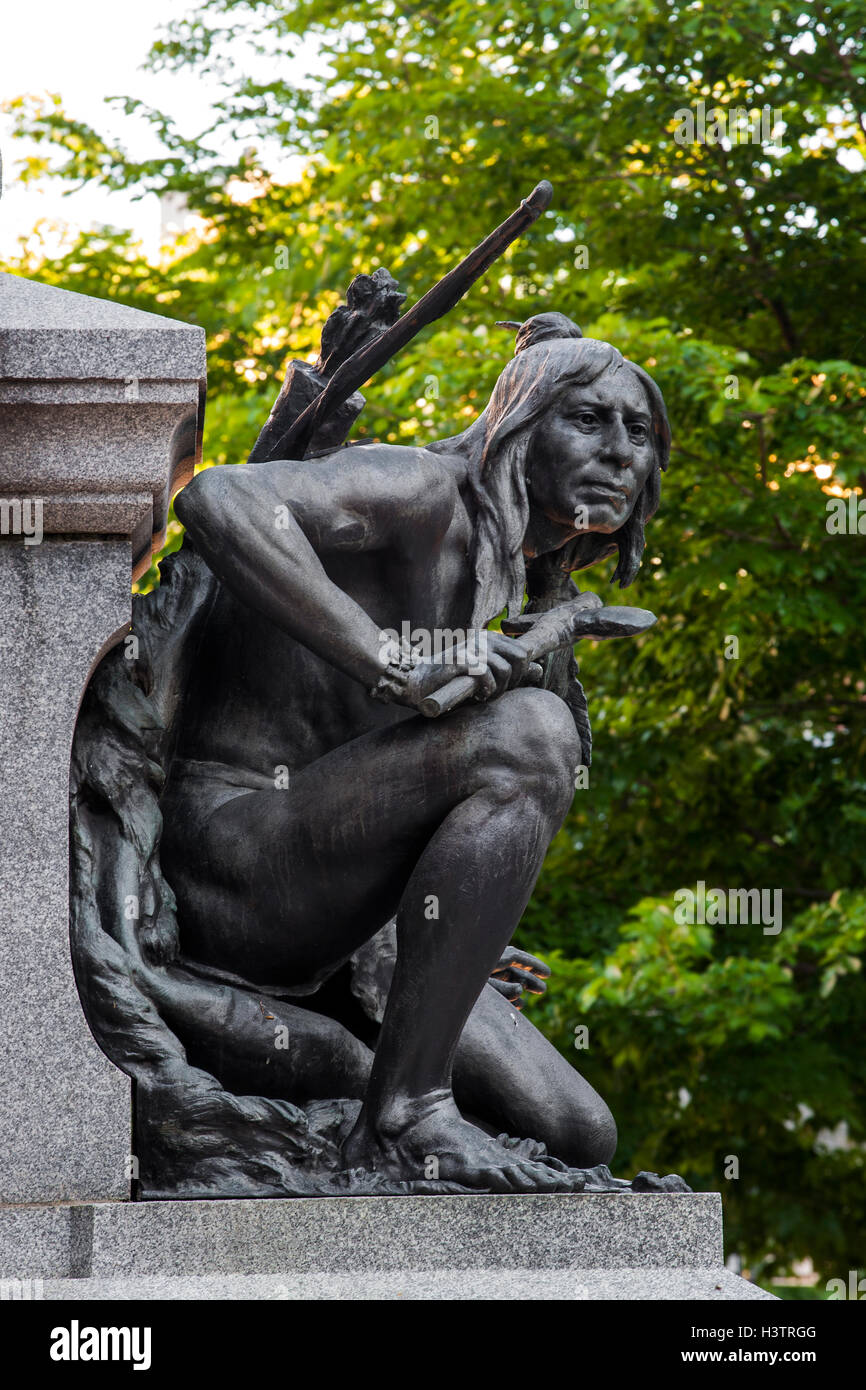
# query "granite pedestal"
(100, 422)
(610, 1246)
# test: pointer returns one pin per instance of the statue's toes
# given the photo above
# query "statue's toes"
(651, 1182)
(525, 1148)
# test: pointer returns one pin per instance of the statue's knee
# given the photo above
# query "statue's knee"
(600, 1138)
(582, 1135)
(532, 748)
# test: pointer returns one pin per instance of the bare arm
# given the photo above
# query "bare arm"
(261, 529)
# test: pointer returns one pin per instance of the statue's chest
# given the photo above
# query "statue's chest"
(429, 589)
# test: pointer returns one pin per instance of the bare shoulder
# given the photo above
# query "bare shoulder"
(402, 470)
(393, 485)
(362, 497)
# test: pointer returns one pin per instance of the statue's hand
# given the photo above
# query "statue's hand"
(518, 972)
(491, 662)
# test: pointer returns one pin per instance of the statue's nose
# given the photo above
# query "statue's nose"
(617, 445)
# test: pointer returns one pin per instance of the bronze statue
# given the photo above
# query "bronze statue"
(315, 981)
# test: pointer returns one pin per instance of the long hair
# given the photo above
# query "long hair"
(551, 357)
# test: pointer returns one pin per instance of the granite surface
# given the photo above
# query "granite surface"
(652, 1283)
(50, 332)
(101, 411)
(134, 1240)
(405, 1233)
(65, 1108)
(582, 1247)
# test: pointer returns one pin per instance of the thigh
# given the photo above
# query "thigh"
(279, 883)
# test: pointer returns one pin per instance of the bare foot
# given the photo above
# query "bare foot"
(430, 1140)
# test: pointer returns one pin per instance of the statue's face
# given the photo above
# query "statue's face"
(590, 456)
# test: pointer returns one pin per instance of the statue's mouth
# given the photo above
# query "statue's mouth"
(608, 491)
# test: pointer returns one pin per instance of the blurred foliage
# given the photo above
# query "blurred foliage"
(735, 273)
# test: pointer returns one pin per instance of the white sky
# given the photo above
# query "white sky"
(87, 50)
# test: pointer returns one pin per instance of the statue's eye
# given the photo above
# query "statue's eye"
(638, 434)
(585, 418)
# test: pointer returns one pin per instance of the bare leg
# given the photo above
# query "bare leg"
(256, 1045)
(506, 1073)
(451, 930)
(509, 1075)
(279, 884)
